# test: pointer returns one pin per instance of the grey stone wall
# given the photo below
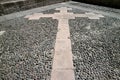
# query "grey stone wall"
(19, 5)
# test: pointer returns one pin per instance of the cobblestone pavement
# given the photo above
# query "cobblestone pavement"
(96, 48)
(27, 48)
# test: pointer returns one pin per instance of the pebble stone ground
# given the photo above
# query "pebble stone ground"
(96, 48)
(27, 48)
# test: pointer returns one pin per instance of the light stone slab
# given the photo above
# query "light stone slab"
(2, 32)
(63, 55)
(62, 75)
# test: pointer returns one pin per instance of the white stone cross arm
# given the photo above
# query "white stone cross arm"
(63, 14)
(37, 16)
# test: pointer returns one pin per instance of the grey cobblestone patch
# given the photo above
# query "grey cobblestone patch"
(14, 24)
(27, 49)
(96, 48)
(51, 11)
(95, 7)
(28, 12)
(77, 11)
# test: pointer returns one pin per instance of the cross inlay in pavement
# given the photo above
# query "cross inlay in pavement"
(62, 68)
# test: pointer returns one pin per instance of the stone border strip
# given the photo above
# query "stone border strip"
(64, 4)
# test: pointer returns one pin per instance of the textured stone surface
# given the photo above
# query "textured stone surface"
(12, 6)
(63, 74)
(96, 48)
(94, 7)
(2, 32)
(62, 45)
(27, 49)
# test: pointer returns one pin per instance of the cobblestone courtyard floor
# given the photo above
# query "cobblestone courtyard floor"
(28, 45)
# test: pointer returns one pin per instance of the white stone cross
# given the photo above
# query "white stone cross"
(62, 68)
(64, 14)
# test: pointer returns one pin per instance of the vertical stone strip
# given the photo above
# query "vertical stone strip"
(63, 64)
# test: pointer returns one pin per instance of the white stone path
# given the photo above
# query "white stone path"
(62, 68)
